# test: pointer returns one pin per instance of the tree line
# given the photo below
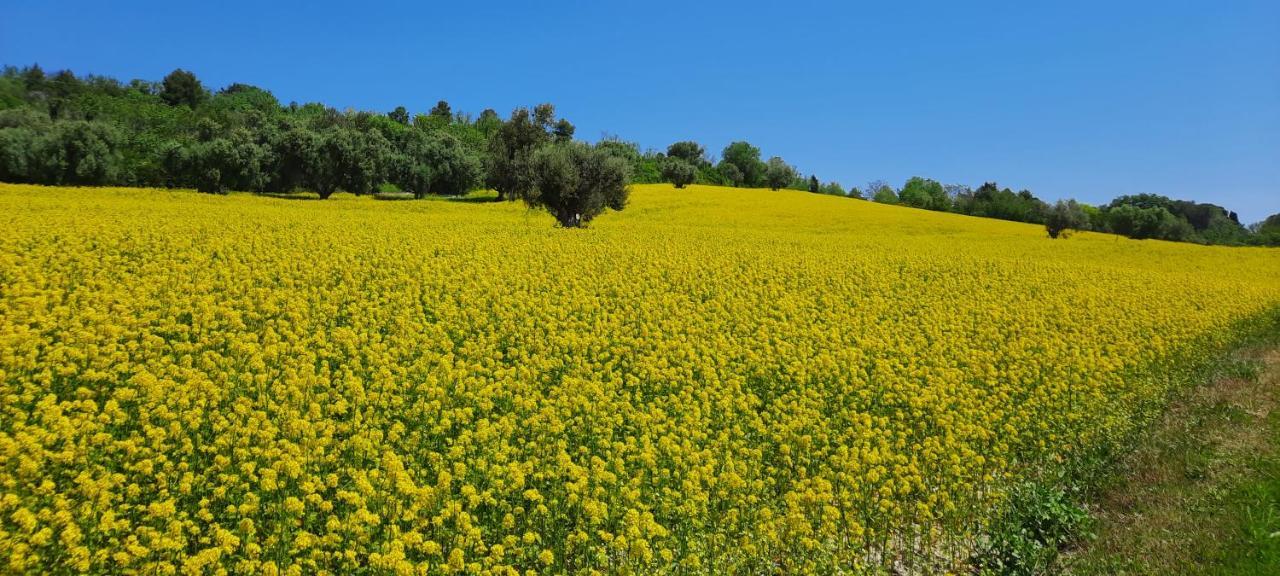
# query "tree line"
(63, 129)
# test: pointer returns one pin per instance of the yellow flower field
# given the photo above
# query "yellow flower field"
(712, 381)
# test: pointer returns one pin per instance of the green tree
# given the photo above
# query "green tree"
(689, 151)
(1065, 215)
(746, 158)
(182, 88)
(441, 112)
(881, 192)
(576, 182)
(924, 193)
(399, 115)
(510, 151)
(435, 163)
(77, 153)
(731, 174)
(678, 171)
(563, 131)
(814, 186)
(779, 173)
(833, 189)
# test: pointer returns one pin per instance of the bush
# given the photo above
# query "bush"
(576, 182)
(1026, 539)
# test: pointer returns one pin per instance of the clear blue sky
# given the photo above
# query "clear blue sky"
(1083, 99)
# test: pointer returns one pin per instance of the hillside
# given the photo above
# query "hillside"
(714, 380)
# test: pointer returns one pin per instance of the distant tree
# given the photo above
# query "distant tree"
(182, 88)
(441, 112)
(230, 161)
(1154, 221)
(956, 192)
(731, 174)
(563, 131)
(814, 186)
(833, 189)
(77, 153)
(779, 173)
(689, 151)
(881, 192)
(576, 182)
(434, 163)
(544, 115)
(923, 193)
(399, 115)
(510, 151)
(1065, 215)
(746, 158)
(33, 78)
(678, 171)
(856, 192)
(1266, 232)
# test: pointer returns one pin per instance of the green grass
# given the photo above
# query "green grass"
(1202, 494)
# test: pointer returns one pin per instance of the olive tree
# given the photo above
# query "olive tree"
(678, 171)
(689, 151)
(778, 173)
(1063, 216)
(434, 163)
(576, 182)
(508, 164)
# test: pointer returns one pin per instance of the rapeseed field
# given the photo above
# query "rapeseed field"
(714, 380)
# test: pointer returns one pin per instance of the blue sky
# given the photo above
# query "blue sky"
(1081, 99)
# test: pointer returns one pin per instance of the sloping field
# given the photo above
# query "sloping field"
(714, 380)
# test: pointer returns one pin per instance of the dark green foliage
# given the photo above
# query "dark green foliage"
(1063, 216)
(1140, 222)
(746, 158)
(1267, 232)
(678, 171)
(1140, 216)
(731, 174)
(576, 182)
(814, 186)
(990, 201)
(856, 192)
(435, 163)
(223, 163)
(182, 88)
(511, 148)
(399, 115)
(442, 112)
(76, 153)
(563, 131)
(778, 173)
(690, 152)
